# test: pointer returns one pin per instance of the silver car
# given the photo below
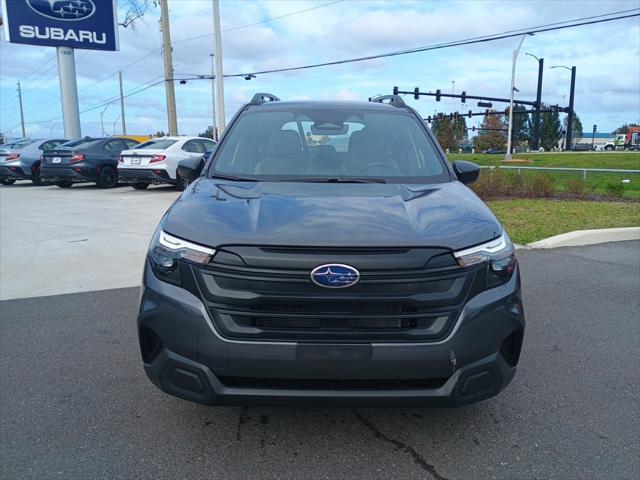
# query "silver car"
(21, 160)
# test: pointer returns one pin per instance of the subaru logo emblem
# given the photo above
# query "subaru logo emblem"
(63, 9)
(335, 275)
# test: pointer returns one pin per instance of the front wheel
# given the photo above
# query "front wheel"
(608, 148)
(140, 186)
(7, 181)
(64, 184)
(108, 178)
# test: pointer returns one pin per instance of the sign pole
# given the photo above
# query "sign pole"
(69, 92)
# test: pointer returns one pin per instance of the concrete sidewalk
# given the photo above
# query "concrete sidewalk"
(79, 239)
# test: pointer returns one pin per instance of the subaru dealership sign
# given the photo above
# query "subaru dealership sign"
(88, 24)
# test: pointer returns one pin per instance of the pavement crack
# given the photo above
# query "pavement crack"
(417, 458)
(243, 417)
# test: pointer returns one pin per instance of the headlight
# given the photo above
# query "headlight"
(166, 251)
(498, 254)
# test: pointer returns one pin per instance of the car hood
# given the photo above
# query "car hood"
(214, 213)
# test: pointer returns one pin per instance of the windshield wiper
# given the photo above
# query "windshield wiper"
(234, 177)
(338, 180)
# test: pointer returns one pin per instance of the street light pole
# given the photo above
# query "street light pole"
(513, 86)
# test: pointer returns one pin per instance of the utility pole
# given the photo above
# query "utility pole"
(219, 78)
(24, 135)
(124, 125)
(513, 87)
(214, 130)
(168, 68)
(69, 92)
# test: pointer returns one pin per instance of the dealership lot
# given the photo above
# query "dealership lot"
(75, 402)
(96, 238)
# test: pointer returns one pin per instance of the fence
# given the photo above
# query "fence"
(584, 171)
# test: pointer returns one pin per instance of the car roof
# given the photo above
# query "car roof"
(329, 104)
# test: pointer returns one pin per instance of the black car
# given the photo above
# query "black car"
(495, 151)
(86, 160)
(298, 270)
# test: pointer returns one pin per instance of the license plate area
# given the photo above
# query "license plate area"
(135, 161)
(56, 160)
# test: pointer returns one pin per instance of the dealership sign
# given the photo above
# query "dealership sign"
(88, 24)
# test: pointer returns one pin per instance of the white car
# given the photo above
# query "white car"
(156, 161)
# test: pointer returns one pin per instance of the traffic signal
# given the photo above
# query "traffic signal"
(463, 97)
(416, 93)
(595, 128)
(438, 95)
(469, 114)
(395, 90)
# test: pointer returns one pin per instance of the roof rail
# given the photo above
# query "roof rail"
(395, 100)
(260, 98)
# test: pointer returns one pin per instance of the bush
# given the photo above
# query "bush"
(540, 185)
(578, 186)
(614, 189)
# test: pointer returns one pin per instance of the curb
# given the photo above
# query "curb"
(587, 237)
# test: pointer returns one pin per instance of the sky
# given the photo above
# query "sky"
(607, 57)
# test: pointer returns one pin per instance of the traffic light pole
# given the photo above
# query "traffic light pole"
(538, 114)
(570, 115)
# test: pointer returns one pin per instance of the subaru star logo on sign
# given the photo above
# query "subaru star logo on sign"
(64, 9)
(335, 275)
(88, 24)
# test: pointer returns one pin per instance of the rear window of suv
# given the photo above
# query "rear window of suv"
(156, 144)
(330, 143)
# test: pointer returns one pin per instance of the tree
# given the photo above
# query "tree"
(159, 133)
(493, 138)
(208, 133)
(576, 127)
(1, 138)
(624, 128)
(550, 129)
(460, 132)
(442, 128)
(521, 124)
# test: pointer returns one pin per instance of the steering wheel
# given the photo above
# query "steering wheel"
(389, 168)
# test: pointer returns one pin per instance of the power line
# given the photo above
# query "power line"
(489, 38)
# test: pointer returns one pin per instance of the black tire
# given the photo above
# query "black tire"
(35, 175)
(608, 148)
(181, 183)
(140, 186)
(7, 181)
(107, 178)
(64, 184)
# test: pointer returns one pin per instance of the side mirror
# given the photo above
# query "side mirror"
(467, 172)
(190, 168)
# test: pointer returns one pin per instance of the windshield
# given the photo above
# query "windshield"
(17, 145)
(334, 144)
(159, 144)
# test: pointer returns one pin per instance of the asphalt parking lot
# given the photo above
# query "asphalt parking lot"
(75, 403)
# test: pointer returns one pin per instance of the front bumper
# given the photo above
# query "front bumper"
(184, 355)
(15, 172)
(75, 174)
(143, 175)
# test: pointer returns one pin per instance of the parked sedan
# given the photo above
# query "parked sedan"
(91, 160)
(21, 160)
(156, 161)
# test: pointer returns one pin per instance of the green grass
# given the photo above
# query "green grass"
(529, 220)
(620, 160)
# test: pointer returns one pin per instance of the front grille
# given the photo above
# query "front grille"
(267, 294)
(320, 384)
